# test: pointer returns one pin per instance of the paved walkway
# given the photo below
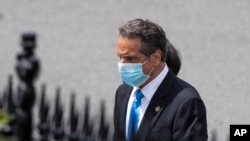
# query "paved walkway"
(77, 47)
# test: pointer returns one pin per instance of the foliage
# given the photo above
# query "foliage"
(4, 118)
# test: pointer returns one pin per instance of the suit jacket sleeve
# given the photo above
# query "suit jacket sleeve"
(190, 122)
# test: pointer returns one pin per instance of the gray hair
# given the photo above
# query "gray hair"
(151, 35)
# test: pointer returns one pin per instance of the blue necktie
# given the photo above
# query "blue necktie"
(134, 114)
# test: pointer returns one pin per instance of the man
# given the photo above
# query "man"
(153, 104)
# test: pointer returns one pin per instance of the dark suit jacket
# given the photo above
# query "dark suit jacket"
(182, 114)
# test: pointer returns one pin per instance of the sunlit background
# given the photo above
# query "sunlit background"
(77, 48)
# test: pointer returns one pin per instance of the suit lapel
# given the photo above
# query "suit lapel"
(157, 103)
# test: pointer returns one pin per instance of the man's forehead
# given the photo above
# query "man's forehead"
(128, 44)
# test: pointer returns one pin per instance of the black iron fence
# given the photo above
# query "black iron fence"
(16, 109)
(51, 123)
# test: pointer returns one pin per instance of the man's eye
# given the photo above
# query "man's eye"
(129, 58)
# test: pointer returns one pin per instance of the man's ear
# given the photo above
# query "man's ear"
(156, 57)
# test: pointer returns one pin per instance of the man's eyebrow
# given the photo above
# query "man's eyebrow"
(120, 54)
(129, 55)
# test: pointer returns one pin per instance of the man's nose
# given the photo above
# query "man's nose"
(122, 60)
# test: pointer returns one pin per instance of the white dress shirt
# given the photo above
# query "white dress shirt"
(148, 92)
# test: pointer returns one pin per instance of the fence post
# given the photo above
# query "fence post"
(88, 123)
(27, 68)
(58, 129)
(74, 116)
(43, 125)
(9, 95)
(104, 128)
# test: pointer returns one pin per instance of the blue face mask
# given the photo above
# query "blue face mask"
(132, 73)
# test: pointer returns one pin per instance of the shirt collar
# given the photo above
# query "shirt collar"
(149, 89)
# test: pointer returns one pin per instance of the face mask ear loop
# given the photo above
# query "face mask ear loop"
(146, 60)
(145, 63)
(151, 71)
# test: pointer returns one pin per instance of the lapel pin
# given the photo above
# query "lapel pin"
(157, 108)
